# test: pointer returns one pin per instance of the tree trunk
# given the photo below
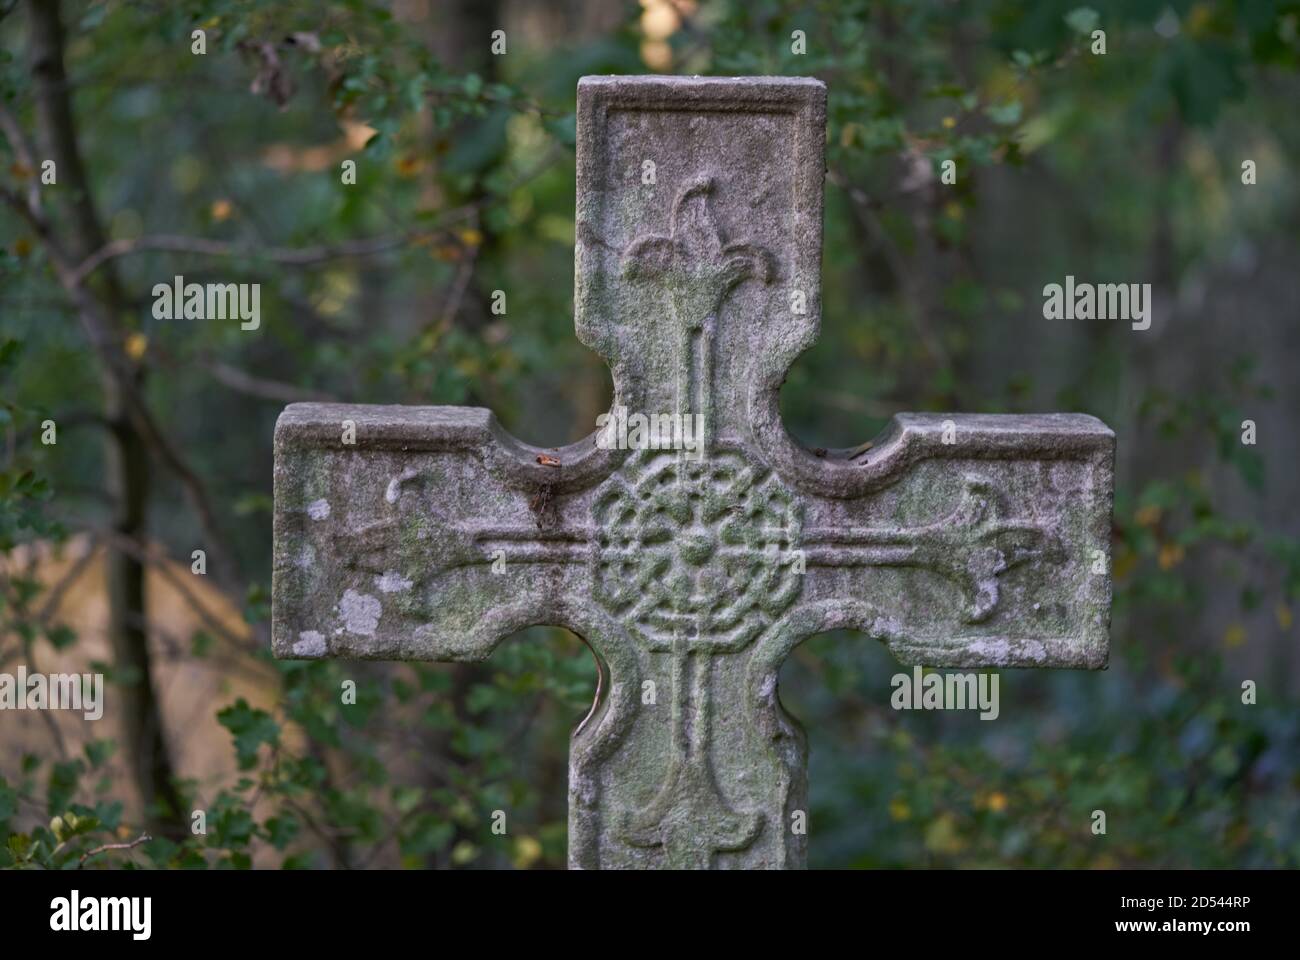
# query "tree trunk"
(126, 466)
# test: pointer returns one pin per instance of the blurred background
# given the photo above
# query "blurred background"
(228, 166)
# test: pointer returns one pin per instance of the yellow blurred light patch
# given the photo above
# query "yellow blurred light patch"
(1002, 83)
(338, 287)
(657, 54)
(659, 19)
(1042, 128)
(221, 210)
(528, 850)
(1148, 516)
(941, 836)
(557, 228)
(135, 346)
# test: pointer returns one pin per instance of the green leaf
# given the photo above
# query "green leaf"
(1082, 19)
(20, 846)
(64, 779)
(8, 800)
(946, 90)
(61, 636)
(250, 728)
(1005, 114)
(9, 351)
(94, 16)
(201, 643)
(281, 831)
(564, 129)
(253, 503)
(98, 751)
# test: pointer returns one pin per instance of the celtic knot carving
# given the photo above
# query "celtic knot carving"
(700, 549)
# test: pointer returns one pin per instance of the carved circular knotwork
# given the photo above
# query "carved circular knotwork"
(701, 549)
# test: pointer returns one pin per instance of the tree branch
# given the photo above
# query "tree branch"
(242, 382)
(23, 153)
(143, 838)
(286, 256)
(160, 562)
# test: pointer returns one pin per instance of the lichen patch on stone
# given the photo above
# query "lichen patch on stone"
(310, 644)
(393, 582)
(360, 613)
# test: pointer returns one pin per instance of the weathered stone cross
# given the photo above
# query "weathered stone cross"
(957, 540)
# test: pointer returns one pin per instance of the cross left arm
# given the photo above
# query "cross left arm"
(391, 523)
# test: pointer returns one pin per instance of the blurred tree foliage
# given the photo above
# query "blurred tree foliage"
(227, 166)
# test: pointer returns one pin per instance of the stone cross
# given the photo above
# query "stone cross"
(430, 533)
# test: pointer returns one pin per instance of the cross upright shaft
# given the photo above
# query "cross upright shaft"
(957, 540)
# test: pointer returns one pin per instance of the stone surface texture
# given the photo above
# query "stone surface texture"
(957, 540)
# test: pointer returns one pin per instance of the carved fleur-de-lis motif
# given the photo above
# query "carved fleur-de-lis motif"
(700, 267)
(975, 545)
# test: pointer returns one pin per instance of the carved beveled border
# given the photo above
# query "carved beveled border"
(446, 429)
